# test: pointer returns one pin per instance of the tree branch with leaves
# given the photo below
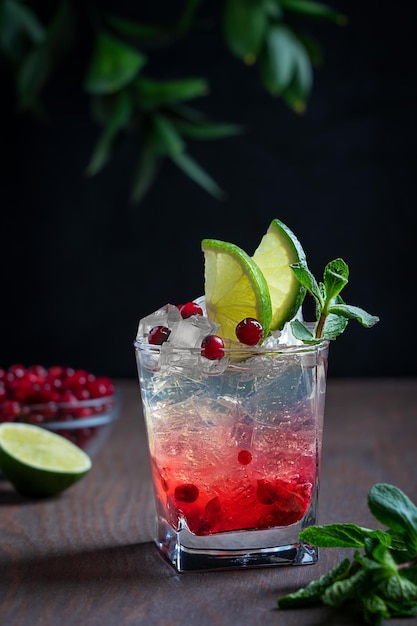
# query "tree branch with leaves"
(125, 99)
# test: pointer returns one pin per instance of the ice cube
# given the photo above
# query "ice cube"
(201, 301)
(189, 333)
(242, 431)
(168, 315)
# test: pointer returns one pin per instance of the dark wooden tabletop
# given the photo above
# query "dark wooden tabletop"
(87, 557)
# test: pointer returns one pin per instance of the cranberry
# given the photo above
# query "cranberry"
(3, 392)
(55, 372)
(76, 380)
(212, 347)
(101, 387)
(82, 394)
(244, 457)
(38, 372)
(17, 371)
(10, 408)
(187, 492)
(158, 335)
(67, 397)
(190, 308)
(249, 331)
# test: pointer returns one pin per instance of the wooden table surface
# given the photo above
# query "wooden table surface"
(87, 557)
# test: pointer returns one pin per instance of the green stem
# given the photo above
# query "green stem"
(320, 325)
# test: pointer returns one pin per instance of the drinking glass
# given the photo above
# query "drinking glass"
(235, 449)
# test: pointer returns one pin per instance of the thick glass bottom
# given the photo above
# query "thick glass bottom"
(244, 549)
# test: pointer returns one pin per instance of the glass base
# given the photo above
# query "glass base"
(244, 549)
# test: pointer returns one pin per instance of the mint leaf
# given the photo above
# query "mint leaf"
(315, 589)
(336, 275)
(341, 536)
(374, 609)
(306, 278)
(334, 326)
(381, 581)
(399, 589)
(346, 589)
(392, 507)
(302, 332)
(354, 312)
(332, 314)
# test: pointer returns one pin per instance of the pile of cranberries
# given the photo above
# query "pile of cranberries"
(39, 395)
(249, 332)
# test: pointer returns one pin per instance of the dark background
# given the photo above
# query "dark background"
(80, 266)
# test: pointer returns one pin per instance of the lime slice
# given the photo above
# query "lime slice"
(279, 248)
(235, 288)
(38, 462)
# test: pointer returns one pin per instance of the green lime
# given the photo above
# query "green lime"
(235, 288)
(38, 462)
(279, 248)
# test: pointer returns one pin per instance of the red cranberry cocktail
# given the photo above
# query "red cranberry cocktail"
(235, 442)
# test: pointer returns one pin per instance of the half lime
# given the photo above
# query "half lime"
(38, 462)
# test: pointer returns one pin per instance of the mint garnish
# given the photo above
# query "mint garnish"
(381, 580)
(332, 313)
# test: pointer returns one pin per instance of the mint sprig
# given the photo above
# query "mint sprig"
(381, 579)
(332, 313)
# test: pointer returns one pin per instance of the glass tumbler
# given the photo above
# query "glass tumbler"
(235, 448)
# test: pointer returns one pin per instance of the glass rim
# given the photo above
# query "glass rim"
(238, 349)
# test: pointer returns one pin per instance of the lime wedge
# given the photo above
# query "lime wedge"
(235, 288)
(279, 248)
(38, 462)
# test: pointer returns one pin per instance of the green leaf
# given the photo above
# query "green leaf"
(341, 536)
(347, 589)
(313, 47)
(336, 275)
(191, 168)
(166, 139)
(392, 507)
(142, 33)
(286, 68)
(301, 332)
(145, 175)
(278, 59)
(153, 94)
(314, 590)
(298, 91)
(43, 58)
(187, 113)
(206, 130)
(374, 608)
(32, 76)
(334, 326)
(244, 27)
(353, 312)
(119, 118)
(313, 9)
(113, 65)
(186, 19)
(396, 588)
(307, 280)
(18, 22)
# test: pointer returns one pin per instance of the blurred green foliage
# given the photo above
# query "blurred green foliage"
(125, 99)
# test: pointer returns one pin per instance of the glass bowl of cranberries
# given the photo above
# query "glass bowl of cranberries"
(73, 403)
